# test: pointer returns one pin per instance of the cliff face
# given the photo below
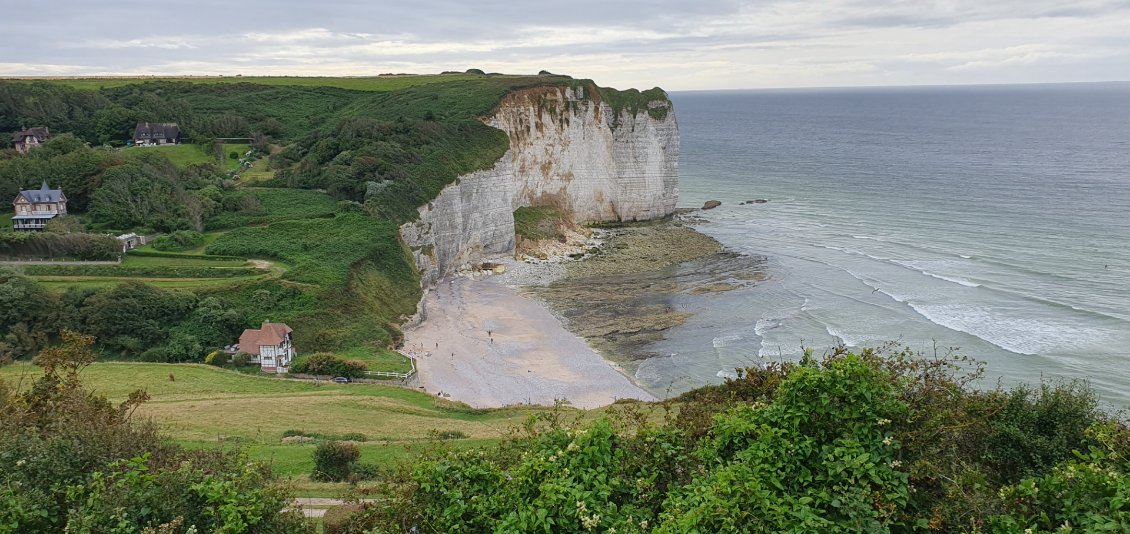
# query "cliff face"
(568, 149)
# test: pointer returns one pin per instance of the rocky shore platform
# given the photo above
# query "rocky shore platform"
(622, 299)
(572, 327)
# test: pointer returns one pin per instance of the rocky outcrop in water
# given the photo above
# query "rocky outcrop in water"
(568, 149)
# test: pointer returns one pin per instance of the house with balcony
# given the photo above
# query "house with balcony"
(271, 346)
(34, 207)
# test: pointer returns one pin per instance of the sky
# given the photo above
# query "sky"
(675, 44)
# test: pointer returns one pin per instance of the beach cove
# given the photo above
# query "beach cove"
(569, 329)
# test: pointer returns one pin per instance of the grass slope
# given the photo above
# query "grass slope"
(202, 406)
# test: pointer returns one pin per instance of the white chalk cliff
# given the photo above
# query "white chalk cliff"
(568, 149)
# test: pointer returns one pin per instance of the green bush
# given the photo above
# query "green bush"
(71, 461)
(178, 241)
(157, 254)
(333, 461)
(881, 441)
(47, 245)
(326, 364)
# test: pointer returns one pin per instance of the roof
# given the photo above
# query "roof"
(271, 334)
(167, 130)
(40, 133)
(123, 237)
(43, 194)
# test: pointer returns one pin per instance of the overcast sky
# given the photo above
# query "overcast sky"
(676, 44)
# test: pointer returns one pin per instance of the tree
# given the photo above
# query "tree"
(333, 460)
(69, 357)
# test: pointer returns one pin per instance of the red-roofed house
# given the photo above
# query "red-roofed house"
(271, 346)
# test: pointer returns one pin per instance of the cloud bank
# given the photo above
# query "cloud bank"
(679, 45)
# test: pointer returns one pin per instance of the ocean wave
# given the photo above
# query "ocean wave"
(1022, 335)
(959, 281)
(722, 341)
(845, 338)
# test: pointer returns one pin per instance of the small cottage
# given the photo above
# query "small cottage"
(270, 346)
(131, 241)
(34, 207)
(156, 133)
(25, 140)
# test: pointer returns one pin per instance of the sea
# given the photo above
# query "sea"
(987, 221)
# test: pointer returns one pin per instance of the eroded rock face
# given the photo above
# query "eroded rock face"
(568, 150)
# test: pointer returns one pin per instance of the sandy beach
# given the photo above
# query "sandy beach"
(485, 344)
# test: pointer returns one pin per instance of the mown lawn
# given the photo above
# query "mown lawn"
(186, 154)
(378, 359)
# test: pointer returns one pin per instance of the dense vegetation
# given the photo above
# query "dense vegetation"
(853, 443)
(71, 461)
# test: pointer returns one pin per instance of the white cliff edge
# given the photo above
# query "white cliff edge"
(568, 149)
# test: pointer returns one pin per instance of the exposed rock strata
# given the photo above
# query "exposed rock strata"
(568, 149)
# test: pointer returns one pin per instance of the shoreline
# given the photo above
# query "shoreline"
(485, 344)
(565, 328)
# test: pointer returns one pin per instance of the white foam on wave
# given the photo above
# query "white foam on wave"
(764, 325)
(1023, 335)
(726, 374)
(954, 279)
(965, 257)
(847, 339)
(722, 341)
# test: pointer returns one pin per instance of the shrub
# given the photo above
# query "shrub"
(178, 241)
(45, 245)
(333, 461)
(326, 364)
(72, 461)
(354, 436)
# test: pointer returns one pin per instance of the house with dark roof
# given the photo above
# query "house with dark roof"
(270, 346)
(34, 207)
(25, 140)
(156, 133)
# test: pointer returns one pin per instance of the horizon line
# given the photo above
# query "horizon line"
(408, 74)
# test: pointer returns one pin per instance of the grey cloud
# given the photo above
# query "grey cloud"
(678, 44)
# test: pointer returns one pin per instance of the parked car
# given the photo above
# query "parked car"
(342, 380)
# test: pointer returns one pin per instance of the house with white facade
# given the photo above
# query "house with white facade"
(271, 346)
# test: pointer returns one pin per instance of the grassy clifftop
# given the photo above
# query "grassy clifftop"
(348, 159)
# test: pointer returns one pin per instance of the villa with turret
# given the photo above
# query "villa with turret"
(34, 207)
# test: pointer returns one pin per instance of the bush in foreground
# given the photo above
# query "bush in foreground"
(71, 461)
(853, 443)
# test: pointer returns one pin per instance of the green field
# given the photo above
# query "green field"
(200, 405)
(378, 359)
(365, 83)
(186, 154)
